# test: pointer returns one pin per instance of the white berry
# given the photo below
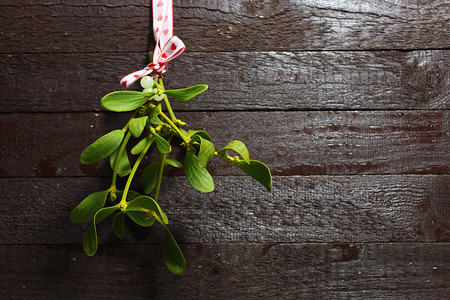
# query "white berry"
(146, 82)
(149, 90)
(158, 97)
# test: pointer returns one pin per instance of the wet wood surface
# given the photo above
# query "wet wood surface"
(370, 208)
(346, 101)
(306, 142)
(229, 271)
(210, 26)
(239, 80)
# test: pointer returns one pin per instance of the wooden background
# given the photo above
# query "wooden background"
(346, 101)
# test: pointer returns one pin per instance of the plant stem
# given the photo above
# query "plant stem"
(167, 119)
(133, 171)
(118, 158)
(169, 108)
(162, 162)
(166, 101)
(157, 83)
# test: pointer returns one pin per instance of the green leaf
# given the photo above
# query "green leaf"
(140, 217)
(103, 147)
(201, 133)
(141, 145)
(124, 164)
(198, 177)
(137, 216)
(137, 125)
(162, 144)
(173, 162)
(104, 212)
(173, 257)
(239, 147)
(155, 120)
(125, 100)
(118, 225)
(149, 177)
(147, 202)
(185, 94)
(258, 171)
(90, 243)
(131, 195)
(85, 211)
(155, 112)
(206, 151)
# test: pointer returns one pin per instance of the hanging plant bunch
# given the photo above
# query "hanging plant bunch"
(153, 123)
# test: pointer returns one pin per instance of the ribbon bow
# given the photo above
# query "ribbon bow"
(168, 46)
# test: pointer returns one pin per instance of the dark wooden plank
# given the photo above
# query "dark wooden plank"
(371, 208)
(346, 236)
(237, 81)
(118, 26)
(291, 143)
(233, 271)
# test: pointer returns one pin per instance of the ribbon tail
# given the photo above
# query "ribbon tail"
(129, 79)
(162, 11)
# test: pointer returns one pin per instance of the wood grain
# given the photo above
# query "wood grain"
(210, 26)
(237, 81)
(346, 101)
(367, 208)
(291, 143)
(229, 271)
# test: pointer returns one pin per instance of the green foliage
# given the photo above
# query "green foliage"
(185, 94)
(147, 202)
(155, 111)
(206, 151)
(131, 195)
(141, 145)
(173, 257)
(149, 177)
(124, 167)
(103, 147)
(173, 162)
(162, 129)
(197, 176)
(85, 211)
(118, 224)
(156, 121)
(90, 238)
(163, 146)
(139, 216)
(237, 146)
(137, 125)
(258, 171)
(125, 100)
(200, 133)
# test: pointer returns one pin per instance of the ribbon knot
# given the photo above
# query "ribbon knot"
(168, 46)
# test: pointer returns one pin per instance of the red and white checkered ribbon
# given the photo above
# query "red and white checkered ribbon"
(168, 46)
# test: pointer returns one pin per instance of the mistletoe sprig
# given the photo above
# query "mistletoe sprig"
(152, 126)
